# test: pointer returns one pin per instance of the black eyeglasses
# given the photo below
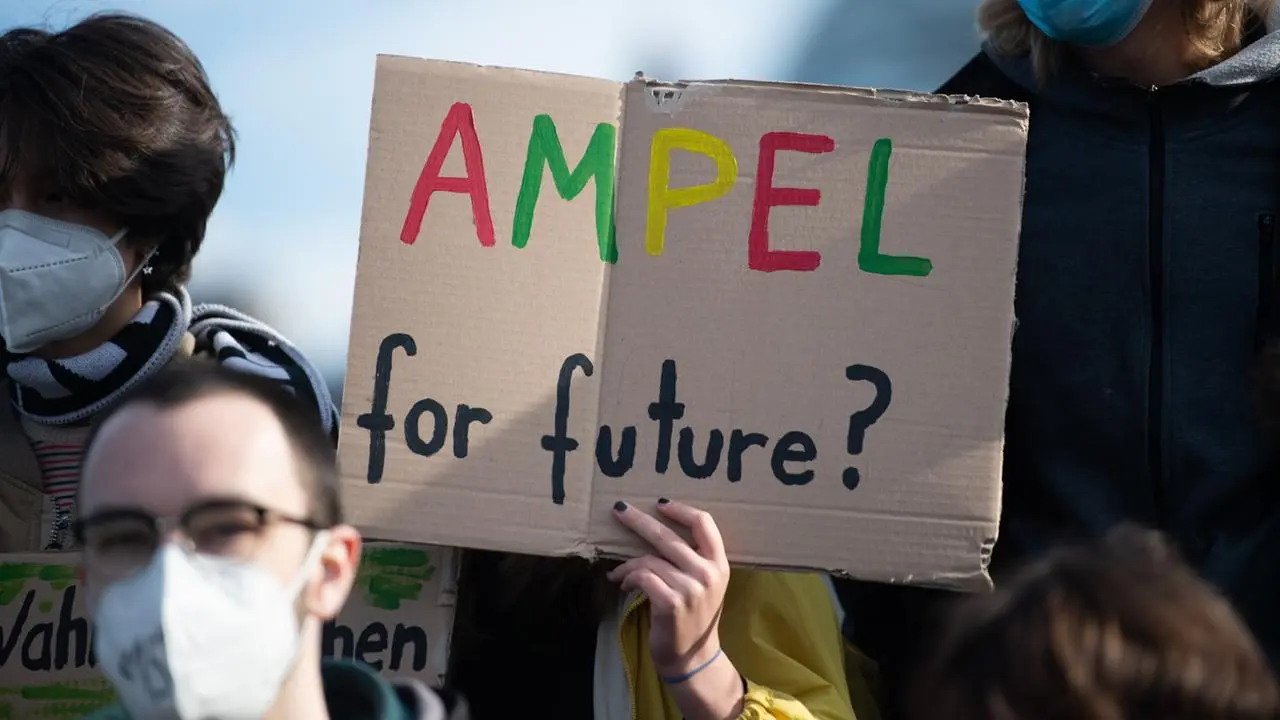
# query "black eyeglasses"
(120, 541)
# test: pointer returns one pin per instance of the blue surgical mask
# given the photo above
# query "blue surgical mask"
(1091, 23)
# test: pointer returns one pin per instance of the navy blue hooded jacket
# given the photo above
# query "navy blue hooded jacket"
(1146, 283)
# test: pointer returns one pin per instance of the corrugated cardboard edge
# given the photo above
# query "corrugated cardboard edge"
(978, 580)
(871, 96)
(989, 545)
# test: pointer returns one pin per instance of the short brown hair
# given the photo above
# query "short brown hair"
(1215, 30)
(1120, 629)
(184, 382)
(117, 115)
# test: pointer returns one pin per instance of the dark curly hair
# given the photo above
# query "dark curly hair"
(116, 114)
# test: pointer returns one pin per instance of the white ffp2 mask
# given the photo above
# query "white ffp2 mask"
(57, 278)
(193, 637)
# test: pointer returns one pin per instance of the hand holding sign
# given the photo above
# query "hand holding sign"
(685, 585)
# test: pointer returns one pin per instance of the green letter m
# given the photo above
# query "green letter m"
(597, 162)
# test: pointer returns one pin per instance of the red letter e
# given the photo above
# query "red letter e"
(759, 256)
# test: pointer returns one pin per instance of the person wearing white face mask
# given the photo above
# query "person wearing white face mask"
(1148, 286)
(214, 551)
(113, 154)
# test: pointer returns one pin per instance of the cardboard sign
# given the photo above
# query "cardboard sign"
(790, 306)
(398, 620)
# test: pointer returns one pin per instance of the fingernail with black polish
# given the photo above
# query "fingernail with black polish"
(663, 501)
(620, 506)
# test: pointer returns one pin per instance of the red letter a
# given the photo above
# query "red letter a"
(460, 123)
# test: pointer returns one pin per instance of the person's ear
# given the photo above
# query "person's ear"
(138, 253)
(339, 561)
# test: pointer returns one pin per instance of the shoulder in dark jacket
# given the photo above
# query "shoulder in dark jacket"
(981, 77)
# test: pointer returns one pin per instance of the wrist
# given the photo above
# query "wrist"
(689, 666)
(678, 666)
(716, 692)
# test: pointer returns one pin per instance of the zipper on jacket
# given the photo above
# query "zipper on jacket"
(1267, 327)
(630, 610)
(60, 531)
(1156, 285)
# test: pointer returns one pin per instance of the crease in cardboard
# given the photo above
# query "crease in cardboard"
(583, 547)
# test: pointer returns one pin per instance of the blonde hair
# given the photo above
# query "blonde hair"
(1215, 31)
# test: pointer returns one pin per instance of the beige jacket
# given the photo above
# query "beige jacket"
(25, 515)
(22, 503)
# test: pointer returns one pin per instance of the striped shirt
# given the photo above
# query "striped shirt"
(59, 451)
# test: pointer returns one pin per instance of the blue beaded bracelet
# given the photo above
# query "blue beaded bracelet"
(682, 678)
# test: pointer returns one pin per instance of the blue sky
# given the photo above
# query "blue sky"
(297, 79)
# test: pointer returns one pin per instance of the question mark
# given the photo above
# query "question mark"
(863, 419)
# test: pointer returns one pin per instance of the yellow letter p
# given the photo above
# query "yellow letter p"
(662, 197)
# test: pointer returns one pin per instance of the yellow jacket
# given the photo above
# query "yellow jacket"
(781, 632)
